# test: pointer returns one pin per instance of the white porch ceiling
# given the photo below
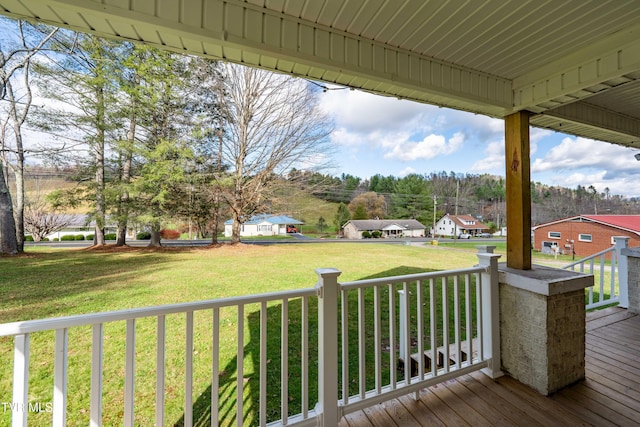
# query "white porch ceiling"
(575, 64)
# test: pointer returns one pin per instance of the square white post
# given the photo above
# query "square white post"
(490, 310)
(328, 292)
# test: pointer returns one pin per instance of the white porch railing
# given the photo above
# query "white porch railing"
(610, 267)
(356, 354)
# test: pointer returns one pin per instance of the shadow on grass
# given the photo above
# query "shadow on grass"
(251, 379)
(41, 282)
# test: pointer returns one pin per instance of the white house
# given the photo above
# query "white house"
(454, 225)
(263, 225)
(354, 228)
(76, 224)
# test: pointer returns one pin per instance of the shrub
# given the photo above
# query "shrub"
(28, 238)
(170, 234)
(67, 238)
(45, 239)
(89, 237)
(366, 235)
(110, 236)
(78, 237)
(143, 235)
(376, 234)
(55, 239)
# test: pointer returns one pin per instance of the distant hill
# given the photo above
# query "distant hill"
(301, 205)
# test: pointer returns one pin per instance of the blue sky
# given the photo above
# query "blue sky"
(375, 134)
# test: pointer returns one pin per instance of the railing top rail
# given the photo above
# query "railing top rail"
(30, 326)
(590, 257)
(411, 277)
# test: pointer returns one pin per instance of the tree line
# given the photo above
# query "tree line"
(428, 197)
(152, 135)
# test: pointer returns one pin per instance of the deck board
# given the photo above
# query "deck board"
(504, 404)
(609, 396)
(485, 409)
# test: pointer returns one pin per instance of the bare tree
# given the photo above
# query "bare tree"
(17, 58)
(272, 124)
(40, 222)
(8, 241)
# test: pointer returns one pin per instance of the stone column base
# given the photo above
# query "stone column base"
(542, 326)
(633, 278)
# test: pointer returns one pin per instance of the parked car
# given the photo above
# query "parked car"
(464, 236)
(485, 235)
(291, 229)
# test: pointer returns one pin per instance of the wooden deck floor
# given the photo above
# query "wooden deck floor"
(609, 396)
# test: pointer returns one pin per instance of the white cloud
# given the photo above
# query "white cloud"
(580, 161)
(601, 180)
(493, 160)
(428, 148)
(406, 171)
(573, 153)
(477, 127)
(365, 114)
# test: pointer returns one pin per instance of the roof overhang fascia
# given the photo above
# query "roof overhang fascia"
(614, 127)
(572, 218)
(588, 71)
(253, 35)
(235, 31)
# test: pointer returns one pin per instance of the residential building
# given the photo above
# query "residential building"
(387, 228)
(585, 235)
(264, 225)
(76, 224)
(454, 225)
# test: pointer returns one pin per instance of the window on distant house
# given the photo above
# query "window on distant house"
(263, 227)
(554, 234)
(585, 237)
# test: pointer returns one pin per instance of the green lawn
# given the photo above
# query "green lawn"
(64, 282)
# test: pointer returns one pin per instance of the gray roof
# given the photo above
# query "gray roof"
(379, 224)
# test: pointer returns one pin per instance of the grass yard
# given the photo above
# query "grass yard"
(65, 282)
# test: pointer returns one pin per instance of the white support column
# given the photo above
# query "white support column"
(97, 345)
(20, 401)
(404, 334)
(60, 378)
(328, 291)
(622, 242)
(129, 373)
(491, 311)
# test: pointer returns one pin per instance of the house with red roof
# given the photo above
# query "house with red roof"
(585, 234)
(455, 225)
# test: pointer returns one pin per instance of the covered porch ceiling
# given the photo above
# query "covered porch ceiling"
(574, 64)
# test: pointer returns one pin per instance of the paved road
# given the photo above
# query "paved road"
(298, 239)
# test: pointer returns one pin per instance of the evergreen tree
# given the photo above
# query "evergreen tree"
(322, 223)
(84, 80)
(360, 212)
(342, 216)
